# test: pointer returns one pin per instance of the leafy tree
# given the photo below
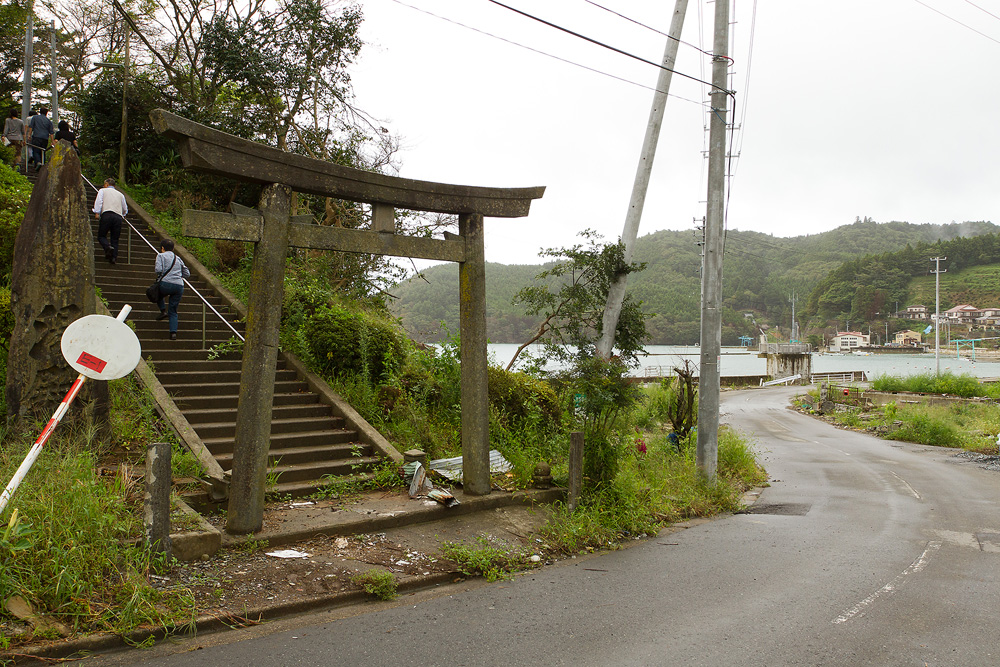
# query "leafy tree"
(572, 309)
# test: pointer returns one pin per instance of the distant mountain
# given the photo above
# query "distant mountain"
(761, 272)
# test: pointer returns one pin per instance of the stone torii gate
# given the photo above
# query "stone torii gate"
(273, 230)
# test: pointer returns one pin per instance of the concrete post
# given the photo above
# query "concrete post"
(29, 47)
(260, 355)
(475, 399)
(575, 470)
(711, 314)
(157, 500)
(616, 291)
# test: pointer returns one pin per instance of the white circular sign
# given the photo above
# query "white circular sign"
(101, 348)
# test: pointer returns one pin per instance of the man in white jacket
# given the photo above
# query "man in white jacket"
(110, 209)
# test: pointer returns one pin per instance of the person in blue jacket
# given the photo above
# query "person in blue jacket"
(172, 272)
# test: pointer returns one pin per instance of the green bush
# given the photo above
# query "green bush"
(15, 190)
(517, 395)
(377, 583)
(344, 341)
(926, 429)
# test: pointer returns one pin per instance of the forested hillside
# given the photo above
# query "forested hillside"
(761, 273)
(863, 288)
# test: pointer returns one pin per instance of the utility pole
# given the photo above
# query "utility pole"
(795, 335)
(55, 80)
(616, 291)
(122, 145)
(707, 455)
(937, 271)
(29, 40)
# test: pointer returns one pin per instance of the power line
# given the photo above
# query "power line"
(606, 46)
(951, 18)
(983, 10)
(647, 27)
(544, 53)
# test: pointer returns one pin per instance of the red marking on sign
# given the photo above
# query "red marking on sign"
(91, 362)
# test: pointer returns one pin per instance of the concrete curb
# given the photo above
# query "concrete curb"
(377, 523)
(209, 623)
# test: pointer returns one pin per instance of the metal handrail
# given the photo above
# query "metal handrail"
(204, 301)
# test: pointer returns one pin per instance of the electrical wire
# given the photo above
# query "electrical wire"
(544, 53)
(603, 45)
(647, 27)
(983, 10)
(952, 18)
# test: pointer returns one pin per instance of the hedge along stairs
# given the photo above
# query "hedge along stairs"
(316, 438)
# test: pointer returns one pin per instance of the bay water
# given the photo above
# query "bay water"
(660, 360)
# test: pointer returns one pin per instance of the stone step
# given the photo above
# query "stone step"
(306, 489)
(279, 441)
(341, 455)
(292, 411)
(233, 388)
(226, 426)
(314, 472)
(170, 379)
(222, 401)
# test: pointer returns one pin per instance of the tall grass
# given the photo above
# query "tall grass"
(963, 385)
(72, 550)
(655, 488)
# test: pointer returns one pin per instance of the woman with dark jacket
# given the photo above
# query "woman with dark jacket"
(69, 135)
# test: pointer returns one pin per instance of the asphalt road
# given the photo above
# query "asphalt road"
(861, 552)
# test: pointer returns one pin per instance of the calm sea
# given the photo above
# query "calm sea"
(738, 362)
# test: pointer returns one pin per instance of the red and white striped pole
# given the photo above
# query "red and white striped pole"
(36, 449)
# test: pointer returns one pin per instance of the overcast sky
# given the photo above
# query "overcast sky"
(879, 108)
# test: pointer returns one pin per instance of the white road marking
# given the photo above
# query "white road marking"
(916, 566)
(912, 490)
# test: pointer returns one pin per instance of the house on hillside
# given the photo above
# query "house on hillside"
(908, 338)
(845, 341)
(964, 314)
(989, 317)
(914, 313)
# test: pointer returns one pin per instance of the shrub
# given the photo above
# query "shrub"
(344, 341)
(377, 583)
(14, 194)
(516, 395)
(926, 429)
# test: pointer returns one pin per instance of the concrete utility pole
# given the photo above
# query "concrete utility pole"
(937, 311)
(616, 291)
(29, 40)
(795, 332)
(711, 279)
(55, 80)
(122, 145)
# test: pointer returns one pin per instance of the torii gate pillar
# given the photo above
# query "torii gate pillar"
(260, 356)
(475, 398)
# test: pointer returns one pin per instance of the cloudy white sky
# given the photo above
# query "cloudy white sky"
(878, 108)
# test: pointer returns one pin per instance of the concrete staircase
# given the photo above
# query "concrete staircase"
(309, 443)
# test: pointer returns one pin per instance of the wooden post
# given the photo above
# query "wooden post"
(575, 469)
(157, 499)
(260, 355)
(475, 400)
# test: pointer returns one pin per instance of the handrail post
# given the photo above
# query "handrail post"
(204, 313)
(128, 259)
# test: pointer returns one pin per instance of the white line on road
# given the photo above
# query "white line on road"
(912, 490)
(916, 566)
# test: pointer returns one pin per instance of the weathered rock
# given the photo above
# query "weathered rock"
(52, 285)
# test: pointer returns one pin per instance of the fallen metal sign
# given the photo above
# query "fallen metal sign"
(452, 468)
